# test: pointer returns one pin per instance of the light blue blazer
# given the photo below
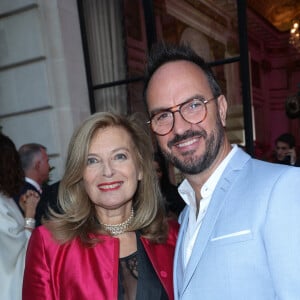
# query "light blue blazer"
(248, 246)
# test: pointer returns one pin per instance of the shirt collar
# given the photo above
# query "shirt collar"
(186, 191)
(34, 183)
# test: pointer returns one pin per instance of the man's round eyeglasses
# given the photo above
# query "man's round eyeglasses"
(193, 111)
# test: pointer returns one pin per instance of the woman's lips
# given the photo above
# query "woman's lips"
(110, 186)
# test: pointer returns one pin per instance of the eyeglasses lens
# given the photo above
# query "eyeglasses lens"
(192, 111)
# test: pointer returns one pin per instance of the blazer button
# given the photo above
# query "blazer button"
(163, 274)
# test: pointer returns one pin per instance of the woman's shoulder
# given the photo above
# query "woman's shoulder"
(5, 201)
(10, 211)
(42, 232)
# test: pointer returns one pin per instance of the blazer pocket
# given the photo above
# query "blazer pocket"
(233, 237)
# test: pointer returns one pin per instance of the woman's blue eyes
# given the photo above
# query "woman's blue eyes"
(118, 156)
(91, 160)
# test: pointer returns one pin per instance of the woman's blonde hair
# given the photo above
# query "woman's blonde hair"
(78, 217)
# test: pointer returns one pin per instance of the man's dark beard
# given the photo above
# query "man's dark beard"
(197, 164)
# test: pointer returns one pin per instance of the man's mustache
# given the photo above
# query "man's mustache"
(188, 134)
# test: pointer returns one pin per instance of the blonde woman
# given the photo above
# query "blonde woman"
(112, 240)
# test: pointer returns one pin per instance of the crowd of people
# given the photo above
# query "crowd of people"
(116, 227)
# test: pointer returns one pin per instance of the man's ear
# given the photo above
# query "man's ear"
(222, 108)
(37, 165)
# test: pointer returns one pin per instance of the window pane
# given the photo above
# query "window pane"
(104, 33)
(111, 99)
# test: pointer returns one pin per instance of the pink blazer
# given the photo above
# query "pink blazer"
(72, 271)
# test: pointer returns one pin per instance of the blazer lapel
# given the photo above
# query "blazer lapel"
(215, 207)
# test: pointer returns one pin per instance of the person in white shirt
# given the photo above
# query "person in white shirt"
(15, 229)
(239, 233)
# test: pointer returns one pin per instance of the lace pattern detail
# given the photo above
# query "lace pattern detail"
(128, 277)
(131, 264)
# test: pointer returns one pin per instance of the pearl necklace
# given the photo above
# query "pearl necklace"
(117, 229)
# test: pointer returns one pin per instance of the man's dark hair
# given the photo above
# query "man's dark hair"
(11, 172)
(287, 138)
(162, 53)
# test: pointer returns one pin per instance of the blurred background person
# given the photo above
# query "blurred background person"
(49, 199)
(285, 150)
(173, 202)
(14, 229)
(111, 239)
(35, 163)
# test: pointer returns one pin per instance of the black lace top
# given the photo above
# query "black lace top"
(137, 277)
